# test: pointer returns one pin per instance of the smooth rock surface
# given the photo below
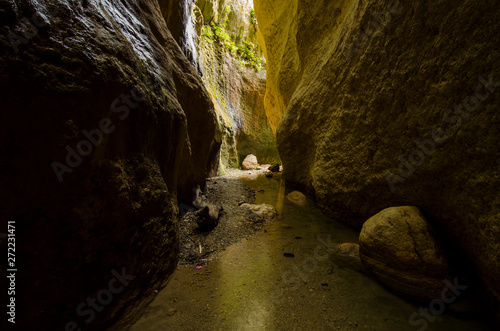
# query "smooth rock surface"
(101, 88)
(250, 162)
(398, 246)
(358, 116)
(297, 198)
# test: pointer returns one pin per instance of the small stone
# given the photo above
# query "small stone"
(265, 211)
(171, 312)
(297, 198)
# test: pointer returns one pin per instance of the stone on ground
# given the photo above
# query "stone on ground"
(264, 210)
(297, 198)
(399, 247)
(250, 162)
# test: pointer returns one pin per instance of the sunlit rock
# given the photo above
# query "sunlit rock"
(382, 103)
(250, 162)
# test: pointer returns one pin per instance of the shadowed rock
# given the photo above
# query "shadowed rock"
(398, 246)
(104, 125)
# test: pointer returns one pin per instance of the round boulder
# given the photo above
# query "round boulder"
(297, 198)
(250, 162)
(399, 247)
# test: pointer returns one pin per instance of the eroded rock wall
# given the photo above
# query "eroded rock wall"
(104, 123)
(236, 87)
(385, 103)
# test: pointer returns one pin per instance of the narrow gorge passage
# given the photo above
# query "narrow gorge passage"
(254, 286)
(250, 165)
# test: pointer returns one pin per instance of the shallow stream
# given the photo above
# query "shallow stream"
(254, 286)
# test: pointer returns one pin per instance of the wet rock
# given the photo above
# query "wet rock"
(398, 246)
(250, 162)
(267, 212)
(297, 198)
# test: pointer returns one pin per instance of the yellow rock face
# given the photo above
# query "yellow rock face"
(379, 103)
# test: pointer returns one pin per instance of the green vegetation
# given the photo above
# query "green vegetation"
(253, 18)
(216, 32)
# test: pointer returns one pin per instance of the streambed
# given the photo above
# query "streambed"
(282, 279)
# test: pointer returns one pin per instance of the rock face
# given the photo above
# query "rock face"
(228, 46)
(250, 162)
(390, 103)
(399, 247)
(104, 122)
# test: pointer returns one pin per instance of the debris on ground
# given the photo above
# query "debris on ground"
(223, 214)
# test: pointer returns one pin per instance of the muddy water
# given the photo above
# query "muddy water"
(253, 286)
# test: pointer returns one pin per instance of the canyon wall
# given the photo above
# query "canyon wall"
(383, 103)
(223, 35)
(104, 123)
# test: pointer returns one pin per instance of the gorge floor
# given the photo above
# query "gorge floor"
(254, 285)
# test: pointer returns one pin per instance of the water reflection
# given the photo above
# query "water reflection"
(253, 285)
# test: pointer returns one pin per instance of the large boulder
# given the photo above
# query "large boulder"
(382, 103)
(103, 123)
(250, 162)
(398, 246)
